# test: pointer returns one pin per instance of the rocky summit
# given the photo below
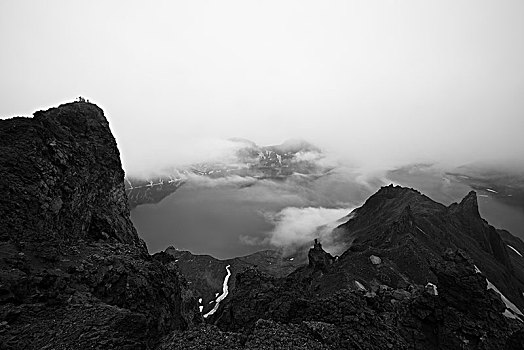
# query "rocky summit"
(74, 274)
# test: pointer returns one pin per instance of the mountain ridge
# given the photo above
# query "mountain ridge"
(75, 274)
(418, 226)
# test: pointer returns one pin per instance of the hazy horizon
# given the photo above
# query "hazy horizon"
(378, 83)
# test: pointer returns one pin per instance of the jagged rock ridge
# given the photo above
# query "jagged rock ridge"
(381, 292)
(409, 230)
(292, 313)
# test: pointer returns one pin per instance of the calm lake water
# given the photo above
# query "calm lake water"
(212, 217)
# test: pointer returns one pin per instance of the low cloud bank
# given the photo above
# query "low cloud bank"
(159, 156)
(295, 227)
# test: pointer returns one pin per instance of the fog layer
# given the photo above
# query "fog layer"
(377, 82)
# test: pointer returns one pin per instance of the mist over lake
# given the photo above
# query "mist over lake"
(236, 216)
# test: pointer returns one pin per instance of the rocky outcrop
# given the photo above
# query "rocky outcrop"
(464, 315)
(73, 271)
(388, 300)
(290, 313)
(319, 259)
(205, 274)
(61, 178)
(459, 284)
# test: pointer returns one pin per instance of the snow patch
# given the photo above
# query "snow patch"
(421, 230)
(511, 310)
(515, 250)
(360, 286)
(490, 190)
(431, 287)
(225, 291)
(201, 308)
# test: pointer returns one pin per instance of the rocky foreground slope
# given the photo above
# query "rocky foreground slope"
(266, 312)
(205, 274)
(73, 272)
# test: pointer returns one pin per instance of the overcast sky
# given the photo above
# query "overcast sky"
(377, 81)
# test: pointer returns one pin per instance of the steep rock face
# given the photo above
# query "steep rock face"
(73, 271)
(464, 315)
(467, 213)
(61, 178)
(410, 232)
(516, 252)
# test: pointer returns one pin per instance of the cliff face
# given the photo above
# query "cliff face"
(73, 271)
(61, 178)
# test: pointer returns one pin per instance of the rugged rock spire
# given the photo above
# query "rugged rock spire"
(468, 206)
(319, 259)
(467, 213)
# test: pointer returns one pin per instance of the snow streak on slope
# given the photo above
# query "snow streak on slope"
(515, 250)
(225, 291)
(511, 310)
